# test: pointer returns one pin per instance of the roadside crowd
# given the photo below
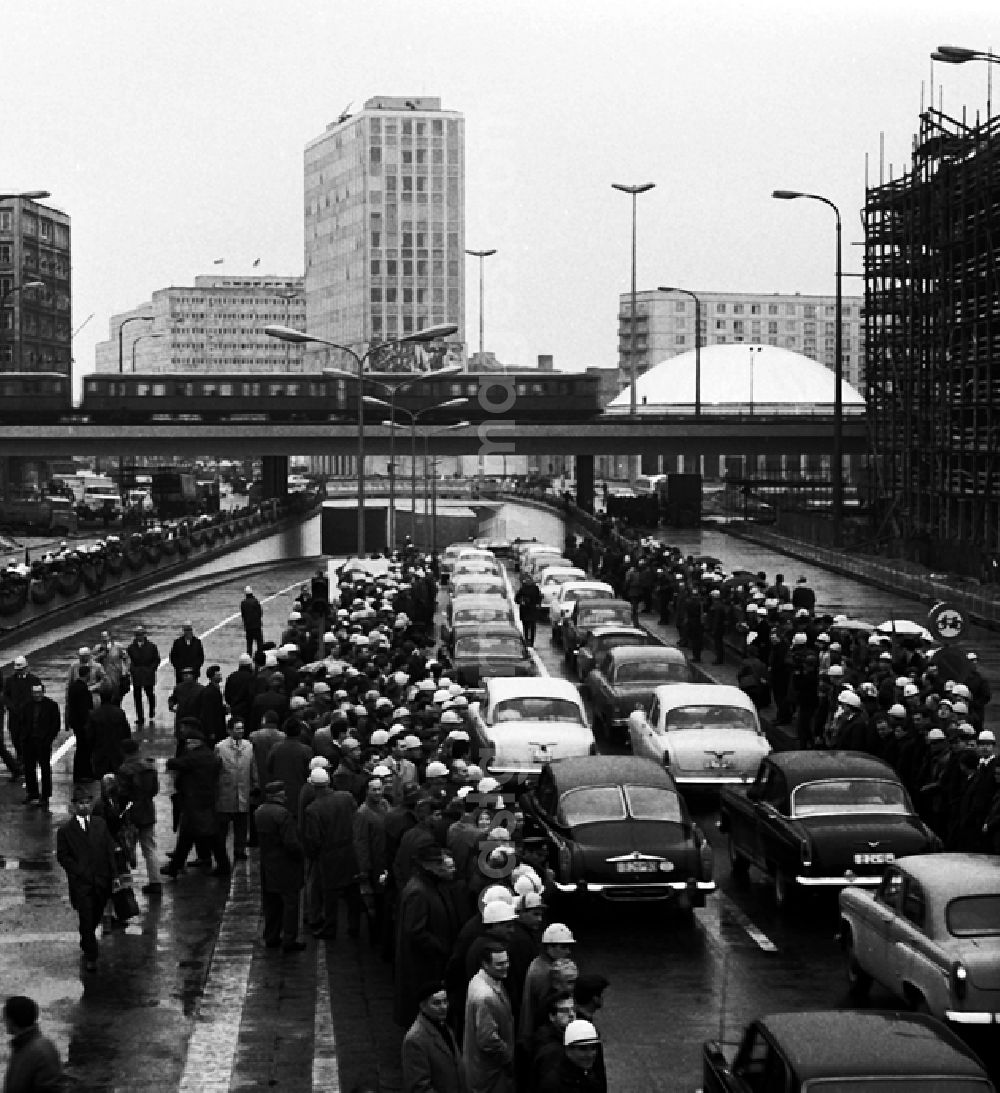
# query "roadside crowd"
(341, 755)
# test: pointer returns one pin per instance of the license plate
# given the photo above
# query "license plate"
(637, 866)
(718, 764)
(541, 754)
(874, 859)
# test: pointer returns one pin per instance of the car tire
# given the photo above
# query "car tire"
(859, 982)
(783, 888)
(739, 867)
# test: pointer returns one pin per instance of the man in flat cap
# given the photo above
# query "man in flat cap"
(86, 851)
(282, 870)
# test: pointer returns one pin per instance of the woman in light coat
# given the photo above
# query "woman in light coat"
(239, 786)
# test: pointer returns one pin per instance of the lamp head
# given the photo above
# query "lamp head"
(287, 334)
(639, 188)
(955, 55)
(786, 195)
(430, 333)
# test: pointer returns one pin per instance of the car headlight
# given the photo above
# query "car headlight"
(959, 979)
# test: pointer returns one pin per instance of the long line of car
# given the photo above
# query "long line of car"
(924, 924)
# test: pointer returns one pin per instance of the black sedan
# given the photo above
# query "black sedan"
(602, 639)
(625, 679)
(481, 651)
(617, 827)
(588, 614)
(821, 819)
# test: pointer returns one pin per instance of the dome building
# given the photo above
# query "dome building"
(738, 379)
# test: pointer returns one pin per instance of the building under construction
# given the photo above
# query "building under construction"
(932, 326)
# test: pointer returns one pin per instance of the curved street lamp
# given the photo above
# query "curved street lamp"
(481, 255)
(428, 334)
(837, 470)
(958, 55)
(140, 337)
(121, 328)
(697, 341)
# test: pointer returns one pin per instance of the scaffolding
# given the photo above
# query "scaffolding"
(932, 329)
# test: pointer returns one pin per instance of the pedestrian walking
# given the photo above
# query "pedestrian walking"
(33, 1065)
(187, 651)
(196, 783)
(329, 842)
(211, 707)
(139, 784)
(40, 723)
(144, 659)
(79, 707)
(15, 695)
(528, 599)
(489, 1026)
(239, 689)
(430, 1055)
(86, 851)
(108, 727)
(96, 674)
(288, 762)
(252, 614)
(370, 850)
(281, 870)
(239, 786)
(185, 700)
(113, 659)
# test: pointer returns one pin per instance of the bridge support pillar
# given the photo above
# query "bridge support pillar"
(649, 464)
(585, 482)
(274, 471)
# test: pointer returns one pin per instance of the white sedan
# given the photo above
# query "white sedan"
(562, 604)
(550, 580)
(705, 734)
(523, 723)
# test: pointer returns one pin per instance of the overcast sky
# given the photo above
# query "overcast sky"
(172, 133)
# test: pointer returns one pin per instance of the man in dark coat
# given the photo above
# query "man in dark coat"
(40, 723)
(252, 614)
(107, 728)
(187, 652)
(430, 1055)
(428, 924)
(272, 697)
(239, 689)
(185, 699)
(211, 710)
(33, 1066)
(144, 658)
(196, 782)
(329, 841)
(528, 600)
(139, 784)
(16, 693)
(282, 873)
(79, 707)
(288, 762)
(86, 851)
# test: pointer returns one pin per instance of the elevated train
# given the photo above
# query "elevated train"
(293, 397)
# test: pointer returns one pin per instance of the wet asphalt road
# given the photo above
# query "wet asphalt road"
(186, 999)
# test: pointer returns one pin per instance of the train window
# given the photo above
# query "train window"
(185, 390)
(158, 389)
(521, 389)
(208, 390)
(292, 390)
(457, 390)
(142, 389)
(252, 390)
(226, 390)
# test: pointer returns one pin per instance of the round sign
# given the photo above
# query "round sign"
(946, 623)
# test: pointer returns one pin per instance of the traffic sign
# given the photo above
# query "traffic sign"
(946, 622)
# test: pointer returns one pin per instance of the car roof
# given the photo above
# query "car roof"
(810, 765)
(646, 653)
(486, 630)
(548, 570)
(603, 605)
(671, 695)
(597, 770)
(850, 1043)
(611, 629)
(573, 586)
(954, 873)
(500, 687)
(472, 599)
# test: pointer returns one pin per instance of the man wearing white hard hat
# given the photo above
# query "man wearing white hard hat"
(579, 1068)
(557, 944)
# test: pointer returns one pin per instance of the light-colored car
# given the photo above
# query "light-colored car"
(930, 933)
(563, 603)
(475, 565)
(525, 550)
(480, 584)
(706, 734)
(477, 610)
(523, 723)
(553, 577)
(536, 564)
(457, 551)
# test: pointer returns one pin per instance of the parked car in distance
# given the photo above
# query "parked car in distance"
(844, 1051)
(821, 819)
(602, 639)
(625, 679)
(562, 606)
(707, 734)
(536, 564)
(587, 613)
(479, 651)
(466, 609)
(553, 577)
(521, 724)
(525, 549)
(930, 933)
(617, 827)
(473, 566)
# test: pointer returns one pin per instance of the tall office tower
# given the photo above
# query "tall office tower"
(35, 329)
(385, 226)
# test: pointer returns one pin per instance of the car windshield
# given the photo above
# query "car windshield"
(650, 671)
(599, 616)
(489, 645)
(481, 586)
(653, 803)
(559, 578)
(481, 614)
(537, 708)
(932, 1083)
(839, 795)
(710, 717)
(591, 805)
(588, 594)
(974, 916)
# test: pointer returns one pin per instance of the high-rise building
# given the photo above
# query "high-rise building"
(385, 224)
(215, 325)
(35, 299)
(665, 326)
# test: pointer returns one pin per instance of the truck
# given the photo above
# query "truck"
(43, 514)
(174, 494)
(680, 499)
(95, 495)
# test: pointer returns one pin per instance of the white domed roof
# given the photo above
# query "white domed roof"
(779, 376)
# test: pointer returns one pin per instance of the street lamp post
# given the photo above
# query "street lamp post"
(837, 470)
(754, 350)
(481, 255)
(959, 55)
(428, 433)
(428, 334)
(634, 190)
(139, 338)
(697, 342)
(121, 346)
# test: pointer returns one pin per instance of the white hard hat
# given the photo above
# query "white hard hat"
(558, 934)
(580, 1032)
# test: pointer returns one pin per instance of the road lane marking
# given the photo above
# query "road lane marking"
(325, 1069)
(211, 1052)
(35, 939)
(712, 924)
